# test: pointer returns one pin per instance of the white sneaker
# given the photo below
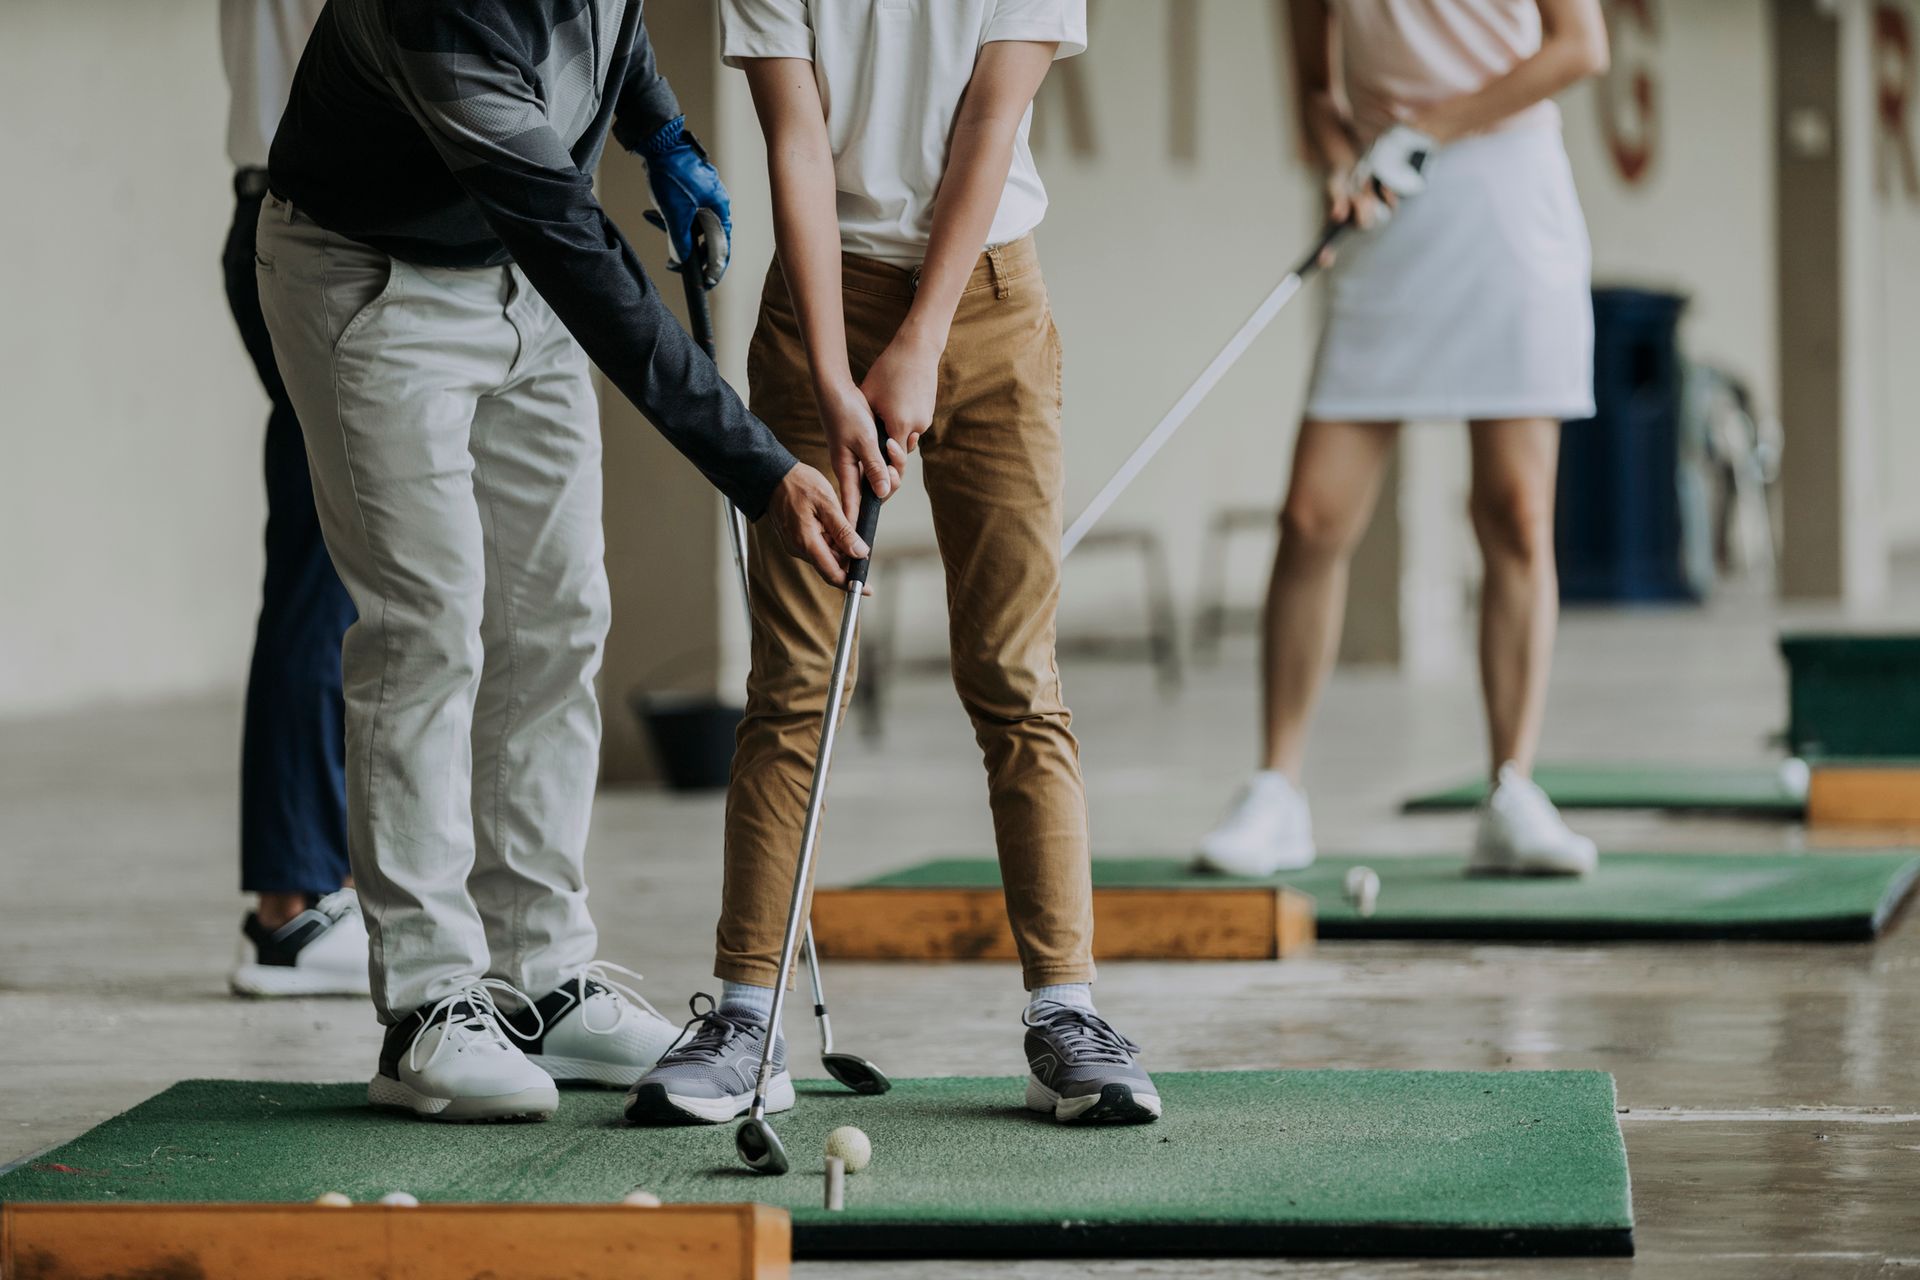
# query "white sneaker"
(320, 952)
(1268, 830)
(453, 1061)
(594, 1030)
(1521, 833)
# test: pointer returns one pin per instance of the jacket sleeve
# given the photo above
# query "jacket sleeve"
(474, 94)
(646, 100)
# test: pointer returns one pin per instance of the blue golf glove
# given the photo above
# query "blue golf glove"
(689, 201)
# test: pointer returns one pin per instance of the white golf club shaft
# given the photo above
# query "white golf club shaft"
(1182, 409)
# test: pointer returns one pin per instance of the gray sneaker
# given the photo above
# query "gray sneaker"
(1083, 1070)
(707, 1077)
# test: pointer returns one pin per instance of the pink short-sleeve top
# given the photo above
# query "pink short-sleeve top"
(1397, 56)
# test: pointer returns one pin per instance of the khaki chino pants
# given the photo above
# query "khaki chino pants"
(991, 463)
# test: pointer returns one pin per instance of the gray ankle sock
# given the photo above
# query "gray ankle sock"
(1075, 995)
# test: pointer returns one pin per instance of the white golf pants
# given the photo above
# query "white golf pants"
(455, 448)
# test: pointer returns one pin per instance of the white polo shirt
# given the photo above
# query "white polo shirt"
(260, 44)
(891, 74)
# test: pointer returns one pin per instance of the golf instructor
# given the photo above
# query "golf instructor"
(1472, 303)
(432, 261)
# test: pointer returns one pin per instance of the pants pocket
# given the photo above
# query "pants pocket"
(358, 283)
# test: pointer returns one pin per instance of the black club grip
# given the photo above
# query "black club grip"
(868, 522)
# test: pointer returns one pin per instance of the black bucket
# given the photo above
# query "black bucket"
(692, 736)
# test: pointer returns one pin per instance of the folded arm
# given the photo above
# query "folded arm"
(1573, 47)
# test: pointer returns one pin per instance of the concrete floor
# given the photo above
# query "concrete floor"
(1771, 1089)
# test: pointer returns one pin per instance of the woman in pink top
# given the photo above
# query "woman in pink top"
(1471, 301)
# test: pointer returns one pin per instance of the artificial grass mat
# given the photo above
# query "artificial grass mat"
(1750, 790)
(1842, 897)
(1243, 1162)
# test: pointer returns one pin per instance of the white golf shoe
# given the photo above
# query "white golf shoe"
(320, 952)
(453, 1061)
(1269, 829)
(1522, 834)
(594, 1030)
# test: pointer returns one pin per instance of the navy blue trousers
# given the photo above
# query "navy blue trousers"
(293, 820)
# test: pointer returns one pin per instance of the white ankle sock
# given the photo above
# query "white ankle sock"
(1075, 995)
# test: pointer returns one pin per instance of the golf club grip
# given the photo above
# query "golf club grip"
(699, 315)
(868, 522)
(1330, 235)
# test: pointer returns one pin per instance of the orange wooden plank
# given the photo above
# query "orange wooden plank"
(1256, 922)
(1864, 795)
(427, 1242)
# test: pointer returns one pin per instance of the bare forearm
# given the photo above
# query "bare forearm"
(979, 157)
(1574, 47)
(806, 223)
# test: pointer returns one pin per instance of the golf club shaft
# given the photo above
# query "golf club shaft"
(1183, 408)
(866, 526)
(809, 835)
(701, 315)
(819, 992)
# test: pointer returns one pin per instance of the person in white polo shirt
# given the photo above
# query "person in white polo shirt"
(907, 291)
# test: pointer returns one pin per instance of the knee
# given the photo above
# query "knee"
(996, 691)
(1514, 522)
(1313, 526)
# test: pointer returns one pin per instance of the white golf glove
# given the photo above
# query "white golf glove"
(1396, 162)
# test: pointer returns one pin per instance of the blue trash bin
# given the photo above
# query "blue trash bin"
(1617, 527)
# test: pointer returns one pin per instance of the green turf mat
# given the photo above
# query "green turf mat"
(1244, 1162)
(1752, 790)
(1800, 897)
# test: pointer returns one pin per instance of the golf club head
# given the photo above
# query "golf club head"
(856, 1073)
(759, 1147)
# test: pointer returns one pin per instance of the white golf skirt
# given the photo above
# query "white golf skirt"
(1473, 302)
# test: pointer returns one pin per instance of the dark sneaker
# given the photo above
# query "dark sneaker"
(1083, 1070)
(708, 1075)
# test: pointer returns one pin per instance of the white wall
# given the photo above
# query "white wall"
(1701, 221)
(1897, 308)
(130, 421)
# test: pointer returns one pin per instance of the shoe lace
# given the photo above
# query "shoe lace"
(716, 1031)
(1084, 1035)
(482, 1020)
(602, 971)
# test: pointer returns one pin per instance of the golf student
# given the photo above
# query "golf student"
(906, 289)
(1471, 303)
(305, 936)
(432, 261)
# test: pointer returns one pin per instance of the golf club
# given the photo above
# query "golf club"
(1216, 369)
(758, 1145)
(850, 1069)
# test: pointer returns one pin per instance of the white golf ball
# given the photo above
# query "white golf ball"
(641, 1198)
(403, 1198)
(851, 1146)
(335, 1199)
(1794, 776)
(1363, 889)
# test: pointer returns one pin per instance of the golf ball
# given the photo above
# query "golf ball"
(403, 1198)
(641, 1198)
(1794, 776)
(851, 1146)
(1363, 889)
(333, 1198)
